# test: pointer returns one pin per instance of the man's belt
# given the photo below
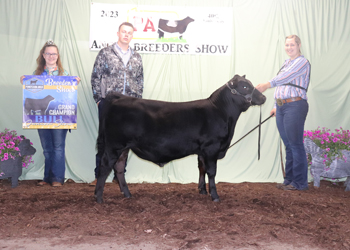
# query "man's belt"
(280, 102)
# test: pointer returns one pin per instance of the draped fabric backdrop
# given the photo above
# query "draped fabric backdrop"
(259, 29)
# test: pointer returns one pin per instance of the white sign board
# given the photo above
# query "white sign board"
(164, 29)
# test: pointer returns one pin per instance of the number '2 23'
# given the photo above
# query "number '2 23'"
(109, 13)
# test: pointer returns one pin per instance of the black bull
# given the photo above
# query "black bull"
(163, 131)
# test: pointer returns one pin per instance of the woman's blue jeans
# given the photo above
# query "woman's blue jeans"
(290, 119)
(53, 142)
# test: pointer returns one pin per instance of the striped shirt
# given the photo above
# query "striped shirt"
(295, 71)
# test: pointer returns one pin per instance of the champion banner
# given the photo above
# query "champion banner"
(164, 29)
(50, 102)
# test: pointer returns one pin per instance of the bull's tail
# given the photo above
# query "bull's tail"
(105, 107)
(100, 142)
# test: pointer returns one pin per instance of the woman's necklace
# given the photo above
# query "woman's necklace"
(51, 68)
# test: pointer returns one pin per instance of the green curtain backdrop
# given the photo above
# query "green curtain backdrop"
(259, 29)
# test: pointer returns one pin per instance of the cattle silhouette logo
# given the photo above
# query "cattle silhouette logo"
(31, 106)
(173, 26)
(34, 85)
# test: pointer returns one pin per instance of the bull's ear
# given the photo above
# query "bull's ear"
(243, 76)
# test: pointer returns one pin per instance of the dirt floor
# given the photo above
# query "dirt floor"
(173, 216)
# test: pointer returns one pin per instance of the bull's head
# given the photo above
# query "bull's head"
(242, 87)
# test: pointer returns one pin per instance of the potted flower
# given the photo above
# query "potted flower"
(328, 154)
(15, 153)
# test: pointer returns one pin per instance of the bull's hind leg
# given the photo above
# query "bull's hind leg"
(119, 168)
(201, 183)
(104, 171)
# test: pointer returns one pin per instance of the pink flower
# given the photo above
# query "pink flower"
(9, 149)
(327, 149)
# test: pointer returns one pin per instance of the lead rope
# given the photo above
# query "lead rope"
(284, 174)
(259, 135)
(260, 123)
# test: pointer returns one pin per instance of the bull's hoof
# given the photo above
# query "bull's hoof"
(98, 199)
(127, 195)
(216, 200)
(203, 191)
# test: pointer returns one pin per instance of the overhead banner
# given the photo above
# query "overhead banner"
(164, 29)
(50, 102)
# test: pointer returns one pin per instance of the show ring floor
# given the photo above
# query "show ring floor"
(173, 216)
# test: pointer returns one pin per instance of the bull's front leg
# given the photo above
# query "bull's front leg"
(201, 183)
(119, 168)
(211, 172)
(104, 171)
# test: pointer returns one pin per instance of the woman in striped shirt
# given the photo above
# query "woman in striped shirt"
(291, 109)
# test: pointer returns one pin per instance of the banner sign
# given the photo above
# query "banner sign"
(164, 29)
(50, 102)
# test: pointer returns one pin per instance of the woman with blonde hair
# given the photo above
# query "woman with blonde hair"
(291, 85)
(52, 140)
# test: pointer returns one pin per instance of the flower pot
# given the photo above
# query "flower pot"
(337, 170)
(12, 168)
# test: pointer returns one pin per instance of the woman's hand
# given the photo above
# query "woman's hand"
(273, 112)
(78, 79)
(263, 86)
(21, 79)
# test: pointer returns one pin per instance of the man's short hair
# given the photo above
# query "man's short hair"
(126, 24)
